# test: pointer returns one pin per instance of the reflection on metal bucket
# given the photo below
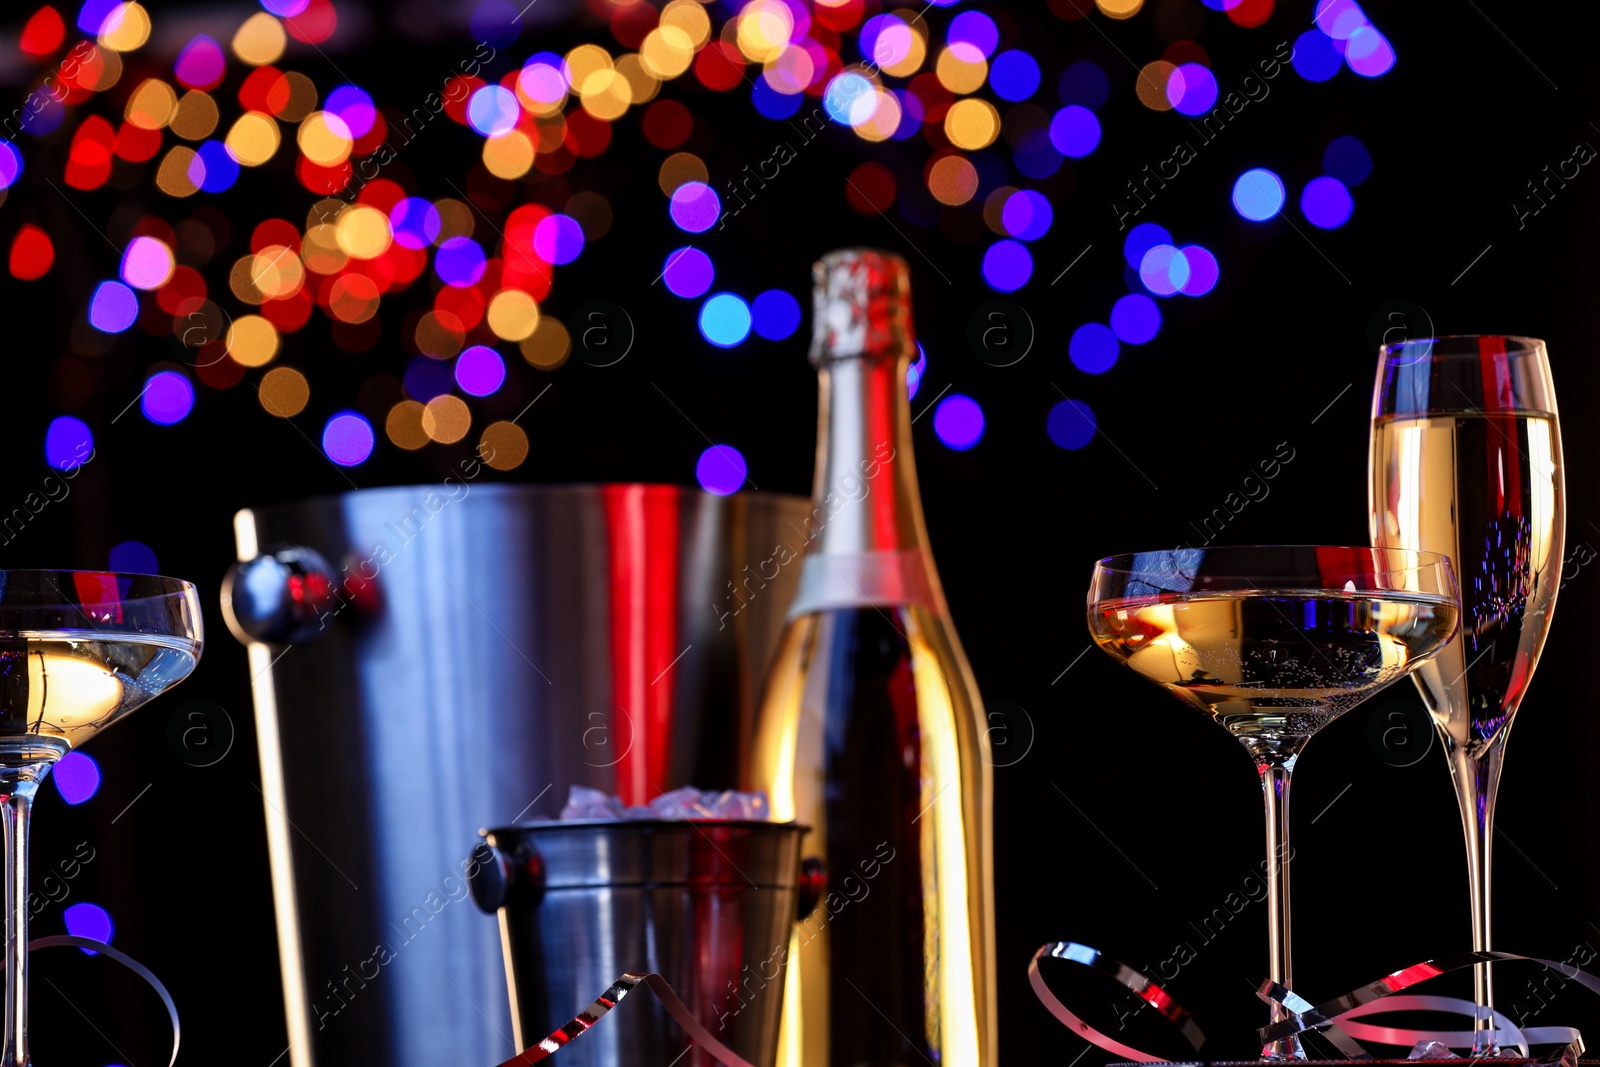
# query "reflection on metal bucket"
(706, 905)
(430, 660)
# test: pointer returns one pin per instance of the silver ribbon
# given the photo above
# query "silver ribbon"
(610, 999)
(73, 941)
(1337, 1019)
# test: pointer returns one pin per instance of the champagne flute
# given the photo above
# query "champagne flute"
(1274, 643)
(1466, 460)
(78, 650)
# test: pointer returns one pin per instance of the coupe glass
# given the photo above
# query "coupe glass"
(1466, 460)
(1274, 643)
(78, 650)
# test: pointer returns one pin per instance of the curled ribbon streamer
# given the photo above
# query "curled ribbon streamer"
(1336, 1019)
(73, 941)
(610, 999)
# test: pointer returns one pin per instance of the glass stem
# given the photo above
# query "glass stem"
(1275, 775)
(17, 788)
(1477, 779)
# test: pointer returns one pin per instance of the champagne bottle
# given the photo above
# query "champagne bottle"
(870, 729)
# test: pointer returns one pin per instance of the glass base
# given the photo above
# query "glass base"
(31, 749)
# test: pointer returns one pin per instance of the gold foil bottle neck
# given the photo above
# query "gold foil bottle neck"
(862, 306)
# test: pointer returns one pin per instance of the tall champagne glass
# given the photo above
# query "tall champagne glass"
(78, 650)
(1274, 643)
(1466, 460)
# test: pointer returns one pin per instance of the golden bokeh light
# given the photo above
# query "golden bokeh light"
(101, 72)
(455, 220)
(252, 341)
(678, 168)
(172, 176)
(606, 94)
(253, 139)
(363, 231)
(690, 19)
(508, 156)
(260, 40)
(584, 61)
(953, 180)
(1119, 9)
(446, 419)
(667, 51)
(320, 249)
(961, 68)
(277, 272)
(284, 392)
(1151, 85)
(439, 335)
(902, 51)
(642, 85)
(294, 96)
(764, 29)
(404, 425)
(972, 124)
(994, 206)
(242, 280)
(152, 104)
(126, 28)
(503, 445)
(325, 139)
(548, 346)
(513, 315)
(195, 117)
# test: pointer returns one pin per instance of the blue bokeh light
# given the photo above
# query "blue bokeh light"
(168, 398)
(354, 106)
(1164, 270)
(689, 272)
(720, 469)
(975, 28)
(1369, 52)
(1007, 265)
(1141, 239)
(1071, 424)
(1075, 131)
(914, 372)
(10, 164)
(1192, 89)
(850, 99)
(1027, 214)
(113, 307)
(725, 320)
(1258, 195)
(958, 420)
(695, 207)
(1135, 319)
(558, 239)
(1085, 84)
(77, 777)
(1203, 271)
(1014, 75)
(459, 262)
(773, 104)
(497, 22)
(775, 314)
(68, 443)
(426, 378)
(93, 15)
(1316, 59)
(347, 439)
(213, 167)
(89, 920)
(1347, 159)
(1036, 156)
(1326, 203)
(493, 110)
(133, 557)
(415, 222)
(480, 370)
(1093, 348)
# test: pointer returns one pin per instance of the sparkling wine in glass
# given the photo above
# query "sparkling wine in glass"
(1274, 643)
(1466, 460)
(78, 650)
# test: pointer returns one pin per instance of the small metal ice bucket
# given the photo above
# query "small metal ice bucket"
(707, 905)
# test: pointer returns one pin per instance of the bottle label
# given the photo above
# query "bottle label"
(862, 579)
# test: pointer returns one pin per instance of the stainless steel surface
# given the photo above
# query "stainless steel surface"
(485, 647)
(707, 906)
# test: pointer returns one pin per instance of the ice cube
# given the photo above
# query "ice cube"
(685, 803)
(640, 812)
(1431, 1050)
(733, 804)
(586, 803)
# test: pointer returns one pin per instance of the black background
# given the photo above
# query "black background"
(1122, 816)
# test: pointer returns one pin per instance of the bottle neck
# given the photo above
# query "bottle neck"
(867, 542)
(865, 497)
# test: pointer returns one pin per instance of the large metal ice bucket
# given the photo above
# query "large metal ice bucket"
(475, 651)
(707, 905)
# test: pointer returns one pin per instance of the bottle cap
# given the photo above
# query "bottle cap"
(862, 306)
